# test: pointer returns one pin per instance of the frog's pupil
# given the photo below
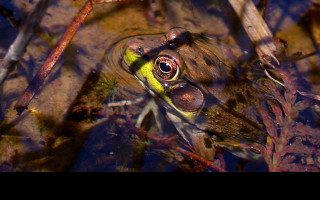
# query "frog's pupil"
(165, 67)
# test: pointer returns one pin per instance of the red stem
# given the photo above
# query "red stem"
(166, 143)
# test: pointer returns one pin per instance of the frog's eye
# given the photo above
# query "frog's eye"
(166, 68)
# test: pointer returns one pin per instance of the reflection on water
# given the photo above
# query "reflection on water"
(70, 125)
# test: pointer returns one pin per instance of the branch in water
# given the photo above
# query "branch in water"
(257, 30)
(48, 65)
(18, 47)
(46, 68)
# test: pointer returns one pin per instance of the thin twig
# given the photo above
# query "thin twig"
(48, 65)
(269, 76)
(46, 68)
(167, 143)
(18, 47)
(304, 56)
(125, 102)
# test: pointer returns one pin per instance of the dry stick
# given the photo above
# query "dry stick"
(63, 42)
(18, 47)
(262, 37)
(257, 31)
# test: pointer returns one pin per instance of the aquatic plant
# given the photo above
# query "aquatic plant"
(293, 144)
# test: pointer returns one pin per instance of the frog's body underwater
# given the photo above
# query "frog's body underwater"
(208, 104)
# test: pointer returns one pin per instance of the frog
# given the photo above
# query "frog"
(208, 100)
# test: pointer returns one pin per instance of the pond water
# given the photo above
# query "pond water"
(78, 120)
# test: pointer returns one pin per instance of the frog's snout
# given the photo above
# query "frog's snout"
(135, 45)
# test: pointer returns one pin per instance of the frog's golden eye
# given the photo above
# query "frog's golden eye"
(166, 68)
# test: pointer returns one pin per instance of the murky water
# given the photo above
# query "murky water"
(71, 124)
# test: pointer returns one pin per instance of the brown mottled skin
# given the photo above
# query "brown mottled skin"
(229, 115)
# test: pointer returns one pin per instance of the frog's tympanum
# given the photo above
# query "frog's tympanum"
(207, 100)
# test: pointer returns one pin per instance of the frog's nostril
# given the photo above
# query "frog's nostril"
(139, 50)
(135, 45)
(178, 37)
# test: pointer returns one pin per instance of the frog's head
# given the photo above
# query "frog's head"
(175, 68)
